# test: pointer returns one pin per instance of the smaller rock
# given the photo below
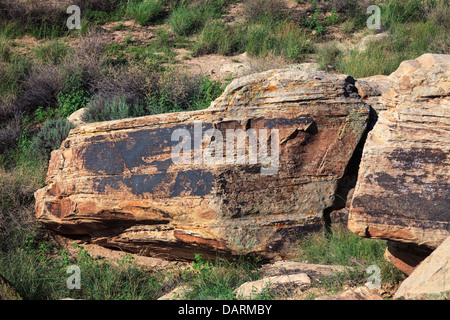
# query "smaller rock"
(359, 293)
(273, 284)
(430, 280)
(405, 256)
(372, 38)
(76, 118)
(293, 267)
(307, 66)
(176, 294)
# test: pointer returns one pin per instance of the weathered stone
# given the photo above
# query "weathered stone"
(431, 279)
(359, 293)
(294, 267)
(272, 285)
(403, 188)
(178, 293)
(116, 183)
(76, 118)
(372, 38)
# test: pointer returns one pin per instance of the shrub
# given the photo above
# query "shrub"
(40, 19)
(280, 38)
(402, 11)
(337, 247)
(51, 52)
(103, 108)
(41, 88)
(8, 136)
(216, 37)
(49, 138)
(130, 81)
(99, 5)
(13, 70)
(186, 20)
(439, 13)
(218, 279)
(86, 63)
(255, 10)
(327, 56)
(145, 12)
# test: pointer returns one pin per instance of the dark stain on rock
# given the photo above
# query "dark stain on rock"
(113, 155)
(192, 182)
(186, 183)
(404, 199)
(278, 123)
(414, 158)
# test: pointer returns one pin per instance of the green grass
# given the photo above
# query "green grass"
(145, 12)
(53, 51)
(339, 246)
(37, 269)
(187, 20)
(405, 42)
(217, 280)
(216, 37)
(279, 38)
(13, 70)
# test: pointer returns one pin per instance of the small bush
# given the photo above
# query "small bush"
(51, 52)
(340, 245)
(8, 136)
(49, 138)
(402, 11)
(130, 81)
(99, 5)
(255, 10)
(145, 12)
(40, 19)
(282, 38)
(439, 13)
(13, 71)
(216, 37)
(84, 68)
(186, 20)
(41, 88)
(217, 280)
(327, 57)
(103, 108)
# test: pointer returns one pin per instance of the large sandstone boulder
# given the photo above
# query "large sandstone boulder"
(118, 183)
(403, 188)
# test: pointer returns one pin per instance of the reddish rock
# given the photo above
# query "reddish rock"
(116, 183)
(405, 256)
(403, 188)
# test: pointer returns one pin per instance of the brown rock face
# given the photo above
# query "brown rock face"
(117, 182)
(403, 188)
